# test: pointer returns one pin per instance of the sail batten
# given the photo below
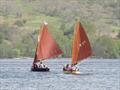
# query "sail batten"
(81, 48)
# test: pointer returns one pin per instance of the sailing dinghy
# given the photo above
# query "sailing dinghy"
(46, 48)
(81, 49)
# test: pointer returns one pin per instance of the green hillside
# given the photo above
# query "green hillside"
(20, 22)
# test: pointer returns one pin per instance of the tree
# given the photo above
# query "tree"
(1, 38)
(105, 47)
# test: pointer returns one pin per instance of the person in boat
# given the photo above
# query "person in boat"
(67, 67)
(35, 65)
(74, 68)
(41, 65)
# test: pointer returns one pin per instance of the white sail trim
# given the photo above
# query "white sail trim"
(45, 23)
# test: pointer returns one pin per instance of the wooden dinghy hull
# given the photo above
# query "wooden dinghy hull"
(40, 69)
(72, 72)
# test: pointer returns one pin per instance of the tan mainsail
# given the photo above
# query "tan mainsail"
(81, 48)
(46, 46)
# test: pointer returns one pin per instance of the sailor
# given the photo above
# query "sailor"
(45, 66)
(35, 65)
(64, 68)
(41, 65)
(73, 68)
(68, 67)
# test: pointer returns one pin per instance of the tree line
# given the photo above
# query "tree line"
(20, 22)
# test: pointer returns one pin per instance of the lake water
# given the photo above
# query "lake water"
(96, 74)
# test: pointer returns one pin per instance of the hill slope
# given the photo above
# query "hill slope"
(20, 21)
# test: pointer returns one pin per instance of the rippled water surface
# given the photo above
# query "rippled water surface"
(96, 74)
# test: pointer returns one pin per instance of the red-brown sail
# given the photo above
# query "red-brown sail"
(81, 48)
(46, 46)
